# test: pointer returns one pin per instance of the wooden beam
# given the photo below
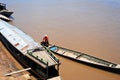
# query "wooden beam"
(15, 72)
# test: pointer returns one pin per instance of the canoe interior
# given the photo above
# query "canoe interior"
(85, 58)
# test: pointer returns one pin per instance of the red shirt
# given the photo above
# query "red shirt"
(45, 39)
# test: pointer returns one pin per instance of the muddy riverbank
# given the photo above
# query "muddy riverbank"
(9, 64)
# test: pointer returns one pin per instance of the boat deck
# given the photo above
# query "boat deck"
(25, 43)
(41, 56)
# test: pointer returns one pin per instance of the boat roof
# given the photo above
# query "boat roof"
(25, 43)
(2, 6)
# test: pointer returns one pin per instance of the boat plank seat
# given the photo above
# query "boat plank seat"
(79, 55)
(60, 51)
(71, 55)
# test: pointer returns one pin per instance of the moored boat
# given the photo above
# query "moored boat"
(44, 65)
(85, 59)
(2, 6)
(4, 11)
(5, 18)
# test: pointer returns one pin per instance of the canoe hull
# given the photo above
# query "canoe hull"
(106, 68)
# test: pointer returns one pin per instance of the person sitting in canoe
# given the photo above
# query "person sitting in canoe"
(45, 41)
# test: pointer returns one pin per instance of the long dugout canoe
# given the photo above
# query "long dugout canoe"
(86, 59)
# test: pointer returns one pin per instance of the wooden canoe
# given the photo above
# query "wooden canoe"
(86, 59)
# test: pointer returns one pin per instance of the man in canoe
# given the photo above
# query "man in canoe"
(45, 41)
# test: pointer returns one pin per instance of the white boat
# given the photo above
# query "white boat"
(44, 65)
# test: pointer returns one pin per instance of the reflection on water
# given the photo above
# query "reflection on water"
(90, 26)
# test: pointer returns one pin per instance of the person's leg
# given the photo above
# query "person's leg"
(46, 44)
(43, 43)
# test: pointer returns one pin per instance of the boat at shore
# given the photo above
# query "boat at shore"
(44, 65)
(5, 13)
(85, 58)
(5, 18)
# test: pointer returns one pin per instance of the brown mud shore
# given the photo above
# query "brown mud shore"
(9, 64)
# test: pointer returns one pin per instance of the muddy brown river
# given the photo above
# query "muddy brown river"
(89, 26)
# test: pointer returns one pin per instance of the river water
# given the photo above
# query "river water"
(89, 26)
